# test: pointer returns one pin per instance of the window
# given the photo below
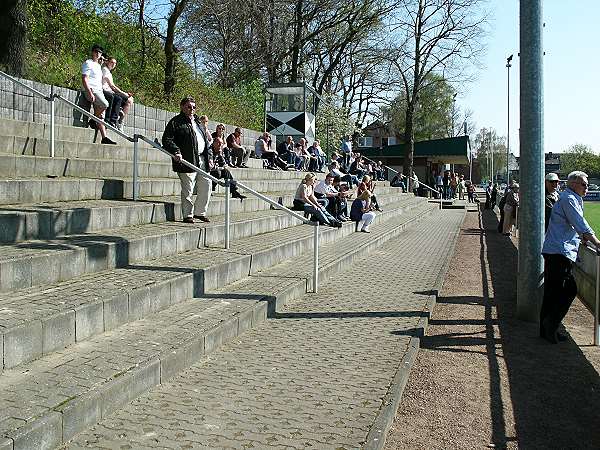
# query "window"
(392, 141)
(365, 141)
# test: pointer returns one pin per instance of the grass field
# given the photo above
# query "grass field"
(591, 211)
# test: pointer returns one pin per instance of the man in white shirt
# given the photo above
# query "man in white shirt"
(119, 100)
(91, 79)
(325, 190)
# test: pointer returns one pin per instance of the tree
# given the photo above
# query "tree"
(491, 153)
(435, 36)
(178, 7)
(580, 157)
(13, 28)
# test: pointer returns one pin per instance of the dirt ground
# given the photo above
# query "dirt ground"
(484, 379)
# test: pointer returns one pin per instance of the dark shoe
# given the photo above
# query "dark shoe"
(244, 166)
(202, 218)
(106, 140)
(188, 220)
(238, 195)
(364, 231)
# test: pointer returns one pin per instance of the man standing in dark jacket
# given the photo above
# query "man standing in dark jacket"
(186, 139)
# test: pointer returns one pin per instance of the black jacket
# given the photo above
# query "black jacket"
(179, 136)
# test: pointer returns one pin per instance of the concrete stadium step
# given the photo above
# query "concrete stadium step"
(108, 281)
(24, 221)
(95, 166)
(32, 138)
(325, 372)
(46, 402)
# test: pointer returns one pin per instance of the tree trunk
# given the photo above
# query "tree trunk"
(170, 52)
(142, 4)
(13, 26)
(297, 44)
(409, 139)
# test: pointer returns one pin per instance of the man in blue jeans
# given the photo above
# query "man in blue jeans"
(566, 230)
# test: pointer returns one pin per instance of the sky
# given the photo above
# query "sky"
(571, 74)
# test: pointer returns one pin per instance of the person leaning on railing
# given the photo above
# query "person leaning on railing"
(185, 139)
(305, 200)
(566, 230)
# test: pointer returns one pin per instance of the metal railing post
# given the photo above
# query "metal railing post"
(227, 212)
(439, 193)
(135, 167)
(316, 259)
(597, 305)
(52, 121)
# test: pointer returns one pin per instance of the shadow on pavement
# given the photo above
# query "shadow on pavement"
(554, 390)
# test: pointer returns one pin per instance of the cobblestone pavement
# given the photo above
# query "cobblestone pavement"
(311, 377)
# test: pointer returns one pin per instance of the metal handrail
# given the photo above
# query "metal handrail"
(427, 186)
(137, 137)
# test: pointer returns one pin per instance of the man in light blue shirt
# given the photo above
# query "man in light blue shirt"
(566, 230)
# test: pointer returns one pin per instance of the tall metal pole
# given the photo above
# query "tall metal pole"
(136, 187)
(227, 212)
(316, 258)
(508, 66)
(52, 121)
(491, 157)
(531, 149)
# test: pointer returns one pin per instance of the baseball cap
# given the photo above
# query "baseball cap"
(551, 177)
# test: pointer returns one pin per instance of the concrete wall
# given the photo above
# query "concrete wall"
(585, 276)
(18, 103)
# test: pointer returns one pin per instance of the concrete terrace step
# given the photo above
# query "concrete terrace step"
(32, 138)
(19, 222)
(325, 372)
(46, 402)
(109, 281)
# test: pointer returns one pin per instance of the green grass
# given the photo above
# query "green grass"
(591, 211)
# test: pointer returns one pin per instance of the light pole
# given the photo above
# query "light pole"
(508, 66)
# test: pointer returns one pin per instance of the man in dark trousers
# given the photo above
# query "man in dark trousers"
(566, 230)
(551, 196)
(185, 138)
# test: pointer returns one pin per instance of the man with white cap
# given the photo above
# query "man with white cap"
(551, 196)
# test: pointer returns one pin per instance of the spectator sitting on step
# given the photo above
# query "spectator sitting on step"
(220, 133)
(305, 200)
(120, 101)
(378, 170)
(263, 150)
(317, 162)
(367, 184)
(239, 155)
(334, 168)
(357, 167)
(219, 169)
(286, 151)
(361, 211)
(91, 79)
(345, 195)
(300, 158)
(207, 132)
(397, 182)
(326, 189)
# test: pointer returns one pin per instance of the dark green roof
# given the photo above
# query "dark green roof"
(456, 147)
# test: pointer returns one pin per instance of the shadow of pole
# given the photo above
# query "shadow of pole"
(554, 390)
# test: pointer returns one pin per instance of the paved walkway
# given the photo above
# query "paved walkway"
(314, 376)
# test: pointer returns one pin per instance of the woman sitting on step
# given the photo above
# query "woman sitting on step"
(367, 184)
(361, 211)
(305, 200)
(219, 169)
